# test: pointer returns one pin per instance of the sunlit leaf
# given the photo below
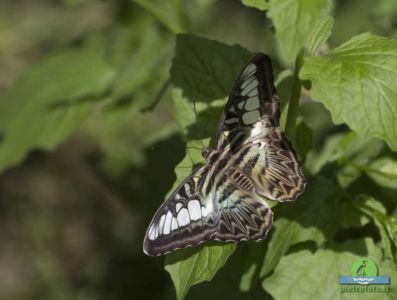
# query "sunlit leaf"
(194, 265)
(294, 21)
(315, 275)
(312, 217)
(259, 4)
(356, 83)
(320, 35)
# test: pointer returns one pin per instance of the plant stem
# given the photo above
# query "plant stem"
(293, 102)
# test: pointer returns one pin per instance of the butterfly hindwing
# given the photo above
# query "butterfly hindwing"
(243, 216)
(273, 166)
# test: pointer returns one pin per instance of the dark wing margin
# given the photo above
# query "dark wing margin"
(182, 220)
(253, 98)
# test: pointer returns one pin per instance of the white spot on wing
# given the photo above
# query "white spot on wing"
(252, 103)
(167, 223)
(251, 117)
(231, 121)
(174, 224)
(257, 129)
(156, 231)
(178, 206)
(249, 69)
(183, 217)
(253, 93)
(251, 86)
(240, 105)
(206, 210)
(194, 208)
(161, 224)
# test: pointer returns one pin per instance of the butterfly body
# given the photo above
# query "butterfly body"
(221, 200)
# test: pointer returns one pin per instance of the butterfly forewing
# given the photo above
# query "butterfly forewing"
(186, 218)
(220, 201)
(252, 104)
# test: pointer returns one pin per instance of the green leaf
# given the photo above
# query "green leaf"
(355, 153)
(356, 83)
(259, 4)
(320, 35)
(294, 21)
(192, 158)
(42, 109)
(384, 172)
(386, 225)
(205, 69)
(316, 160)
(197, 120)
(316, 275)
(248, 278)
(313, 217)
(191, 266)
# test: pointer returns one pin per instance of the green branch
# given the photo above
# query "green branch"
(293, 102)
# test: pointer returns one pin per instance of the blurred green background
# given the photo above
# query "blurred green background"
(79, 185)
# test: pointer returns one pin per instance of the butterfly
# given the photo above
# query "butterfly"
(221, 200)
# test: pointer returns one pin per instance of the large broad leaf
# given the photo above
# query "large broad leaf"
(259, 4)
(205, 69)
(315, 216)
(192, 266)
(43, 108)
(307, 275)
(294, 21)
(320, 35)
(197, 119)
(356, 82)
